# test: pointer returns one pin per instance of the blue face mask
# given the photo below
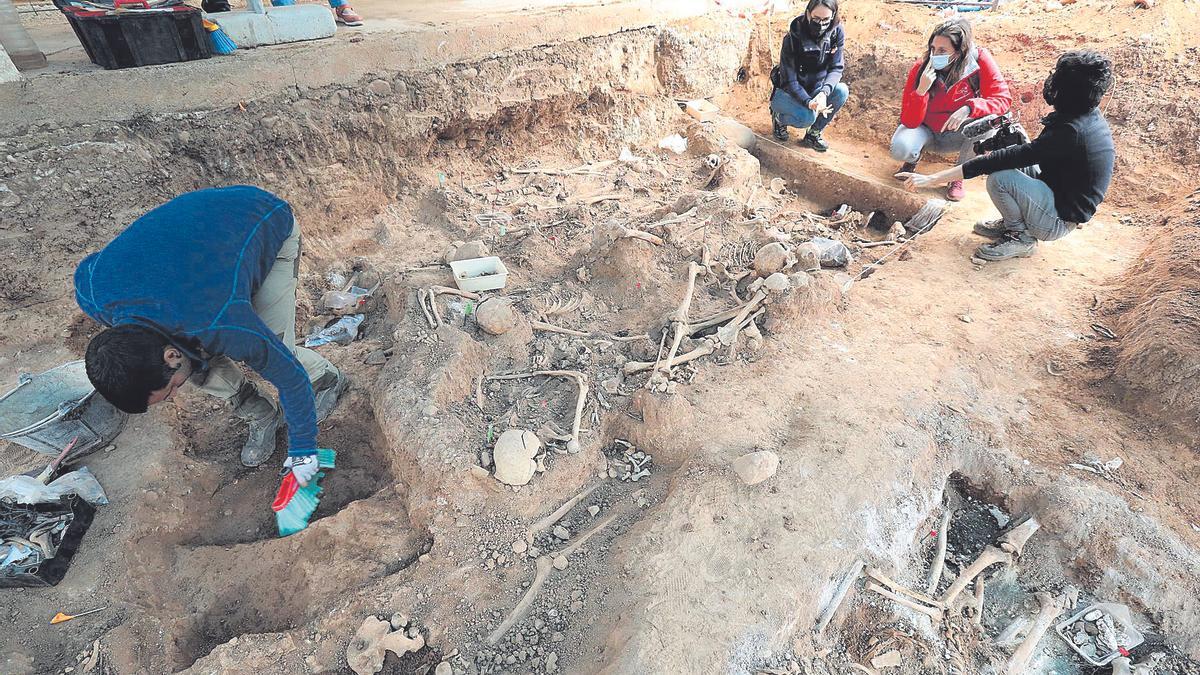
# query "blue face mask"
(939, 61)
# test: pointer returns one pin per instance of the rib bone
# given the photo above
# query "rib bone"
(580, 379)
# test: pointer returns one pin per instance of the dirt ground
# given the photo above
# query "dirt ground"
(906, 384)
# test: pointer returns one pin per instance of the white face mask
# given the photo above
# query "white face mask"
(939, 61)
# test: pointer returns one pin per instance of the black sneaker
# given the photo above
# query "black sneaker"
(1011, 245)
(780, 131)
(814, 141)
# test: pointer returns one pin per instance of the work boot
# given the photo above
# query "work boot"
(263, 415)
(907, 167)
(955, 191)
(346, 15)
(779, 129)
(327, 390)
(1012, 245)
(992, 229)
(813, 140)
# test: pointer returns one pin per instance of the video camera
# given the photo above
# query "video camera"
(1009, 132)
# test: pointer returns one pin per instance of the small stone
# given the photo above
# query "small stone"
(561, 563)
(755, 467)
(430, 410)
(227, 512)
(485, 458)
(519, 546)
(557, 637)
(443, 668)
(380, 87)
(965, 318)
(376, 358)
(479, 472)
(577, 606)
(593, 510)
(562, 532)
(412, 632)
(398, 621)
(611, 386)
(1093, 615)
(887, 660)
(551, 662)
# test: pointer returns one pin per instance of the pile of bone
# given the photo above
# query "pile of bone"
(631, 464)
(1097, 636)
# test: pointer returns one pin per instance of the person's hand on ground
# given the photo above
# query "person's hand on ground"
(956, 119)
(818, 103)
(914, 181)
(928, 77)
(303, 468)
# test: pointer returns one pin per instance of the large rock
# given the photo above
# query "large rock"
(755, 467)
(514, 453)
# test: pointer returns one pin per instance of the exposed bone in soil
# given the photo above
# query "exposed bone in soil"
(885, 411)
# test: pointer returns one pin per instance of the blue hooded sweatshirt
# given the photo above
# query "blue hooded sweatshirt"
(188, 269)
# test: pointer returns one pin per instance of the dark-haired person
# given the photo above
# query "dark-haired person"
(954, 82)
(199, 283)
(1075, 155)
(808, 89)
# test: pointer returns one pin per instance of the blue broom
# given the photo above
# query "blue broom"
(294, 503)
(221, 43)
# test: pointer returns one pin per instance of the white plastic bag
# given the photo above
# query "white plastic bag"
(343, 332)
(28, 490)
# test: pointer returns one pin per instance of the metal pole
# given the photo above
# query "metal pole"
(21, 48)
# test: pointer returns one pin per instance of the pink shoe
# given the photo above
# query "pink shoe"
(955, 191)
(346, 15)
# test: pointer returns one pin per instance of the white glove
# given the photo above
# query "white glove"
(303, 468)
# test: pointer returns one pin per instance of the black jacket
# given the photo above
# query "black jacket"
(1076, 156)
(807, 64)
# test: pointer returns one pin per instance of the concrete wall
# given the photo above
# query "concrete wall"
(8, 72)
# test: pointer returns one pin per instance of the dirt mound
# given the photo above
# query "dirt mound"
(1158, 325)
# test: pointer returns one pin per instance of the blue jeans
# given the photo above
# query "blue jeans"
(286, 3)
(907, 144)
(1026, 205)
(790, 112)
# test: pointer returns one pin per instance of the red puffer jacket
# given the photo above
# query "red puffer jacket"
(936, 106)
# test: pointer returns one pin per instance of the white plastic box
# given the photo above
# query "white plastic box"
(479, 274)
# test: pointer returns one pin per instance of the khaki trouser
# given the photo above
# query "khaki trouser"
(275, 304)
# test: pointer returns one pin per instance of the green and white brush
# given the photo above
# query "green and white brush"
(295, 503)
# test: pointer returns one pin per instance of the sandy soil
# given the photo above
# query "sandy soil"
(932, 383)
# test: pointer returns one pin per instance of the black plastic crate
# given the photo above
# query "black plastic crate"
(52, 571)
(131, 38)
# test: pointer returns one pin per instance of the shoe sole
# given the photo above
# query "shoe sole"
(352, 24)
(992, 258)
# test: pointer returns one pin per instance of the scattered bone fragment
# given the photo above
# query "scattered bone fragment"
(514, 456)
(552, 519)
(933, 613)
(374, 639)
(939, 557)
(882, 578)
(1049, 609)
(755, 467)
(889, 659)
(496, 316)
(839, 595)
(896, 232)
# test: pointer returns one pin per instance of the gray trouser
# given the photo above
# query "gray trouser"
(908, 144)
(1026, 205)
(275, 304)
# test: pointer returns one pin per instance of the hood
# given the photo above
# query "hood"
(971, 65)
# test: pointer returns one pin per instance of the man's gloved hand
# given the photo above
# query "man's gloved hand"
(304, 468)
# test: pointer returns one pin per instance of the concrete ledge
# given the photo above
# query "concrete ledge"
(8, 72)
(279, 25)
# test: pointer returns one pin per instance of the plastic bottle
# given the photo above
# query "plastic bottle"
(21, 48)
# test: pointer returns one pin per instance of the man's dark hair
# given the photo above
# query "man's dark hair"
(1078, 82)
(832, 5)
(125, 364)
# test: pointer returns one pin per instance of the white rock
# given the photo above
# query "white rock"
(593, 510)
(562, 532)
(513, 455)
(519, 546)
(755, 467)
(561, 562)
(443, 668)
(496, 315)
(399, 621)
